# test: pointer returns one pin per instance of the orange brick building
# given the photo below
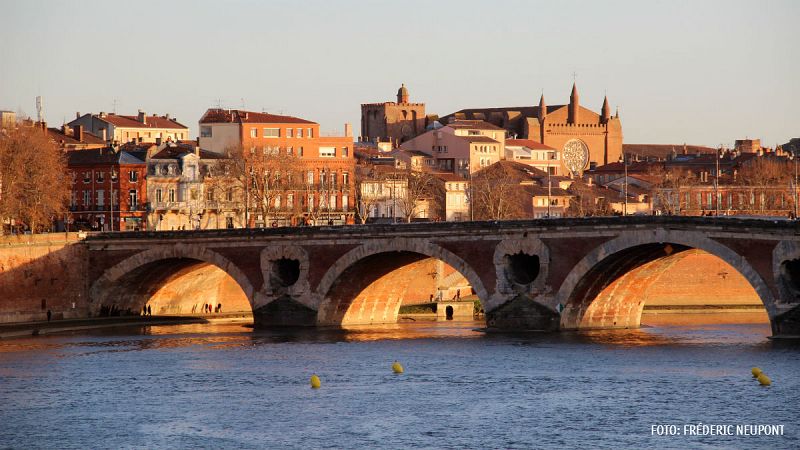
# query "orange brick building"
(326, 163)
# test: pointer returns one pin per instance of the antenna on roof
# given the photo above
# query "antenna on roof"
(219, 103)
(243, 105)
(39, 109)
(114, 106)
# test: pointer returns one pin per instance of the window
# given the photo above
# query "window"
(332, 201)
(133, 176)
(300, 152)
(272, 132)
(100, 177)
(310, 202)
(278, 202)
(87, 198)
(322, 178)
(159, 196)
(344, 202)
(345, 152)
(345, 179)
(289, 132)
(289, 201)
(87, 177)
(132, 199)
(327, 152)
(253, 132)
(310, 133)
(205, 132)
(290, 150)
(229, 195)
(193, 194)
(299, 132)
(101, 198)
(171, 195)
(310, 177)
(210, 196)
(333, 180)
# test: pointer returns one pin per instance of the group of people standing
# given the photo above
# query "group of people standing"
(208, 308)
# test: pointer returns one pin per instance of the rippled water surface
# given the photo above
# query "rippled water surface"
(228, 386)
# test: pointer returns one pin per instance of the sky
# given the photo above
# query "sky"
(697, 72)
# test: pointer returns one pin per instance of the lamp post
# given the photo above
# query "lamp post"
(111, 183)
(549, 191)
(716, 181)
(794, 157)
(624, 161)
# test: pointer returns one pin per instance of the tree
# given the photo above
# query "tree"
(496, 194)
(421, 189)
(587, 200)
(266, 178)
(368, 195)
(34, 185)
(667, 196)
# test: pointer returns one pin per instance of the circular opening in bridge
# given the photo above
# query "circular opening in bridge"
(522, 268)
(662, 285)
(790, 275)
(285, 272)
(174, 287)
(400, 286)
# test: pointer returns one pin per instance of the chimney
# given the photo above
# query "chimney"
(102, 114)
(348, 130)
(166, 116)
(142, 116)
(77, 133)
(77, 115)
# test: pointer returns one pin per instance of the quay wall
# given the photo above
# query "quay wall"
(40, 273)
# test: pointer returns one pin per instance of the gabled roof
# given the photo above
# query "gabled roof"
(479, 139)
(216, 115)
(133, 121)
(177, 151)
(473, 124)
(530, 143)
(59, 136)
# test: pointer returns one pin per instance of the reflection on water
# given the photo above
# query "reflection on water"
(226, 385)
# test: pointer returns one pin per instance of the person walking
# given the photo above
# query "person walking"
(49, 315)
(149, 310)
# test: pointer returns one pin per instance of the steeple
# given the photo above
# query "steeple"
(402, 94)
(605, 113)
(574, 104)
(542, 109)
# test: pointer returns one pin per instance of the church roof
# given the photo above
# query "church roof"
(530, 143)
(475, 124)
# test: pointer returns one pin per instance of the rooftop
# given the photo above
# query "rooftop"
(217, 115)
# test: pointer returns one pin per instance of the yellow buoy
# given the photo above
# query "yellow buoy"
(315, 383)
(397, 367)
(756, 372)
(764, 379)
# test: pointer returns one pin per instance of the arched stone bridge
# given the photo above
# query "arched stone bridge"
(532, 275)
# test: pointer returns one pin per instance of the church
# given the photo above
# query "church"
(585, 138)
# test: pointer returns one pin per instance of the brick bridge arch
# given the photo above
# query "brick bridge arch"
(133, 281)
(383, 269)
(608, 287)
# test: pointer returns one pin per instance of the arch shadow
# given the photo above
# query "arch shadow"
(372, 279)
(132, 282)
(608, 287)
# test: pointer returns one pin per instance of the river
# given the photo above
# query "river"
(227, 386)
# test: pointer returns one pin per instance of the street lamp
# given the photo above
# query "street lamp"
(624, 161)
(549, 191)
(716, 180)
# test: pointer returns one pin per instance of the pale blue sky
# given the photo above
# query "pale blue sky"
(702, 72)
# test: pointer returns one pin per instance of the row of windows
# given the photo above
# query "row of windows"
(324, 152)
(151, 135)
(275, 132)
(100, 200)
(486, 148)
(133, 176)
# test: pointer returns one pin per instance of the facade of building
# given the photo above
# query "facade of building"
(138, 128)
(584, 137)
(462, 146)
(8, 119)
(108, 189)
(184, 194)
(394, 122)
(325, 164)
(456, 201)
(534, 154)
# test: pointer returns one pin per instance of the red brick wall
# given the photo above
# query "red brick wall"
(42, 272)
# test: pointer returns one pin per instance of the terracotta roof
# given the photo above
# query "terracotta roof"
(60, 137)
(215, 115)
(531, 144)
(664, 150)
(447, 176)
(479, 139)
(133, 121)
(476, 124)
